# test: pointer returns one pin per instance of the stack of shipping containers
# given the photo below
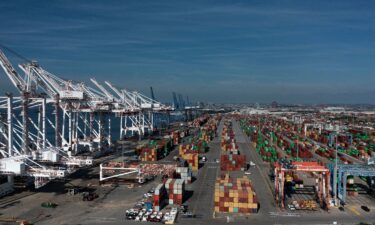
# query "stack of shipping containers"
(235, 195)
(176, 190)
(160, 197)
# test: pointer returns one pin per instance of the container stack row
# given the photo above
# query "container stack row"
(149, 154)
(314, 133)
(233, 162)
(156, 149)
(176, 190)
(195, 145)
(160, 197)
(177, 135)
(266, 151)
(192, 158)
(198, 122)
(228, 142)
(235, 195)
(198, 144)
(185, 174)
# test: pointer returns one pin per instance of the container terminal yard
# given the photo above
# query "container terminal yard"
(178, 121)
(60, 163)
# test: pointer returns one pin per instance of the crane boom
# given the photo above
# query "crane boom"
(9, 70)
(102, 89)
(124, 96)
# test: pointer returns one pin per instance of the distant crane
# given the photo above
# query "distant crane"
(181, 101)
(175, 102)
(152, 94)
(187, 100)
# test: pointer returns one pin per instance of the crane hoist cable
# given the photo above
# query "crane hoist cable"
(15, 53)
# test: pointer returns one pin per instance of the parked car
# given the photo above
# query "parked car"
(144, 218)
(131, 214)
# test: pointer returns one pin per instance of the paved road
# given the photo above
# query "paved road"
(258, 175)
(202, 201)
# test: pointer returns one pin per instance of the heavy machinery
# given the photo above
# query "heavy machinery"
(79, 115)
(322, 180)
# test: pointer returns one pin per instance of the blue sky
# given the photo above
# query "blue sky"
(218, 51)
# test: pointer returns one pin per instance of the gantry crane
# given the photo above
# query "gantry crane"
(79, 112)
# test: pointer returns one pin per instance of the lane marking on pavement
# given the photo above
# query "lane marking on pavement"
(354, 211)
(284, 214)
(212, 167)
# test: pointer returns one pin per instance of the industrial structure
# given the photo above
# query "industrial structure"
(79, 115)
(322, 180)
(345, 170)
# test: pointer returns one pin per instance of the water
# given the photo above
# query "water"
(160, 121)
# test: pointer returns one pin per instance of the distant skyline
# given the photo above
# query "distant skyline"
(212, 51)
